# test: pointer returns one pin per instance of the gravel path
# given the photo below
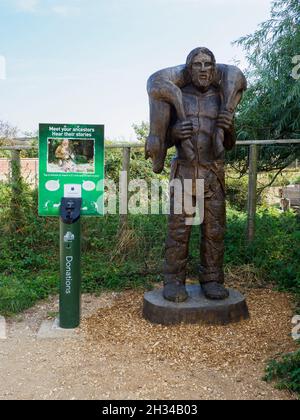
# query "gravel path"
(118, 355)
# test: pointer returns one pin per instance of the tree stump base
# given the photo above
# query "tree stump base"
(196, 310)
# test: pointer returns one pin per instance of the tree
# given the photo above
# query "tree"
(270, 109)
(7, 133)
(141, 131)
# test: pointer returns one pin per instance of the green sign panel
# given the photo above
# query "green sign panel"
(71, 164)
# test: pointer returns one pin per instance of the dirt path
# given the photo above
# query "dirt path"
(118, 355)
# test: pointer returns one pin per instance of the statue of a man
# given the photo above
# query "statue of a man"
(200, 134)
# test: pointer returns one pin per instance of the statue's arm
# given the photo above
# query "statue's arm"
(229, 139)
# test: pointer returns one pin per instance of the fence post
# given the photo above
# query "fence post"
(16, 189)
(252, 187)
(36, 174)
(15, 177)
(15, 167)
(125, 168)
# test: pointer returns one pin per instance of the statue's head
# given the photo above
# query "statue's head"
(65, 143)
(201, 65)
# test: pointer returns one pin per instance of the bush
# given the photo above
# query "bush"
(275, 250)
(286, 372)
(237, 192)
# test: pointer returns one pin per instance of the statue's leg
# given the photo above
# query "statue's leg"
(176, 257)
(156, 145)
(176, 253)
(212, 245)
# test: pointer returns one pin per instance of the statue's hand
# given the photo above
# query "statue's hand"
(182, 130)
(225, 120)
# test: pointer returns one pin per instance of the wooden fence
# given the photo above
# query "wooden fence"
(18, 145)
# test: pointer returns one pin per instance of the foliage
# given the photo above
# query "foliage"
(7, 131)
(275, 250)
(237, 187)
(237, 192)
(139, 167)
(33, 151)
(270, 108)
(286, 371)
(115, 258)
(141, 131)
(285, 178)
(295, 180)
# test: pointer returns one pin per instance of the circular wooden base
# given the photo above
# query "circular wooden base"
(196, 310)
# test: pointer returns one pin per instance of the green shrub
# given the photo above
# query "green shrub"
(237, 192)
(275, 250)
(286, 372)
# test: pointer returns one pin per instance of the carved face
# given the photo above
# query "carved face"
(202, 71)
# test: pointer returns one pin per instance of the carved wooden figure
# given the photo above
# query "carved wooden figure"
(192, 108)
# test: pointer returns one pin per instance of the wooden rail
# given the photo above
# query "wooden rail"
(25, 144)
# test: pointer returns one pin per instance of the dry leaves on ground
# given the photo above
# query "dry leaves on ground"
(265, 335)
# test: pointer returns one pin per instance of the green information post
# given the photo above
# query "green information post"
(71, 185)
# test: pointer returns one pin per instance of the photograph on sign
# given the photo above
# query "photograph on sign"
(71, 155)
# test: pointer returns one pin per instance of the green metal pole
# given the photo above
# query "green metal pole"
(70, 283)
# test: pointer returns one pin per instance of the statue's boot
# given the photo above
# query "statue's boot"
(175, 291)
(215, 291)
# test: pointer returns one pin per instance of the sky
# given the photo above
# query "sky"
(88, 61)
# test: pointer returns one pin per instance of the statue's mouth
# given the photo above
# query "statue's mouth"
(203, 76)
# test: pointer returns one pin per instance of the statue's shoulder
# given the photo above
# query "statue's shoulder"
(178, 76)
(228, 75)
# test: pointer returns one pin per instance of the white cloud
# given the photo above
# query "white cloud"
(2, 68)
(27, 5)
(64, 10)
